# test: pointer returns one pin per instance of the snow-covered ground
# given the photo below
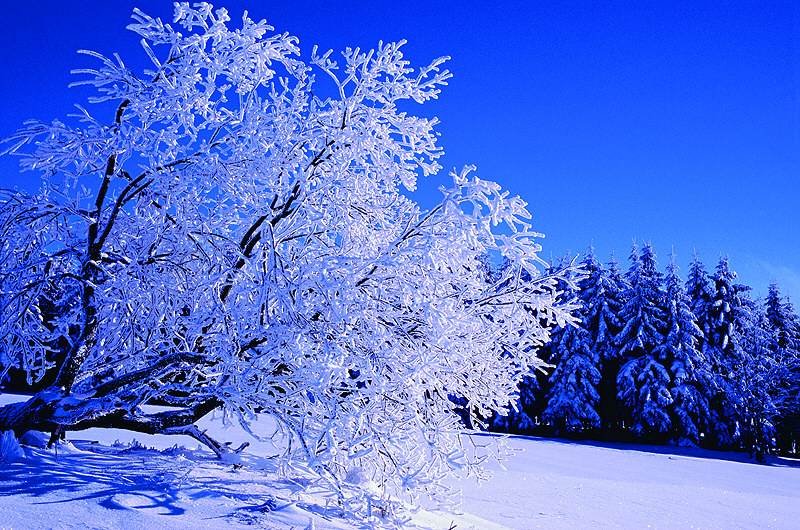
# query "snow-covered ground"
(94, 483)
(559, 484)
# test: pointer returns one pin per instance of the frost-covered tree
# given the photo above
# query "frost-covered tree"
(601, 300)
(781, 319)
(781, 322)
(756, 382)
(643, 381)
(726, 312)
(573, 399)
(726, 354)
(701, 297)
(601, 297)
(689, 410)
(231, 239)
(754, 375)
(528, 413)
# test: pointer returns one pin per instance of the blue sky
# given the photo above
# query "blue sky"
(673, 122)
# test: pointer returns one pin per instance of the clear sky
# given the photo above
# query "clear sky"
(673, 122)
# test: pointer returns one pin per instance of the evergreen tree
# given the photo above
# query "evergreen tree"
(533, 400)
(698, 362)
(756, 384)
(600, 295)
(643, 382)
(701, 298)
(782, 323)
(781, 320)
(573, 398)
(728, 317)
(611, 299)
(680, 353)
(527, 411)
(601, 299)
(700, 292)
(517, 419)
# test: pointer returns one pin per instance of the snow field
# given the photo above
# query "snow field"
(561, 484)
(102, 479)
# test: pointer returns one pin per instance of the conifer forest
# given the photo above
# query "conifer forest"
(658, 359)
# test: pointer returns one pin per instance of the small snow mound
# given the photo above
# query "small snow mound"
(10, 451)
(232, 458)
(35, 439)
(66, 447)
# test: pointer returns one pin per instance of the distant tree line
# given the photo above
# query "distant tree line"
(655, 359)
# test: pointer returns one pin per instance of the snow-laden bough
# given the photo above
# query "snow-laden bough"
(240, 236)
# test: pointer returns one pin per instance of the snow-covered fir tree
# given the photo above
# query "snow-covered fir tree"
(525, 413)
(752, 403)
(679, 351)
(757, 381)
(781, 319)
(782, 323)
(727, 310)
(643, 381)
(700, 293)
(573, 398)
(537, 385)
(521, 416)
(600, 296)
(725, 354)
(601, 300)
(612, 300)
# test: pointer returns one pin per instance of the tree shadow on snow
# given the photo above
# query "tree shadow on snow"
(159, 482)
(116, 482)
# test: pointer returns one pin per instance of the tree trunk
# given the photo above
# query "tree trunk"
(55, 412)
